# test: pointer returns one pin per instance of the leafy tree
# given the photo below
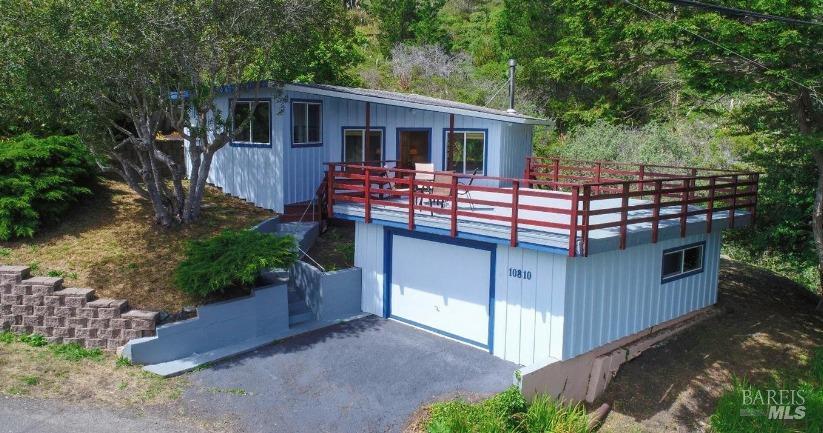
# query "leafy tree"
(407, 21)
(122, 71)
(625, 61)
(781, 61)
(585, 60)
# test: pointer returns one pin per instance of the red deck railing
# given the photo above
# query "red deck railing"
(585, 185)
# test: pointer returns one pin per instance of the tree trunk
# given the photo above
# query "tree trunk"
(817, 221)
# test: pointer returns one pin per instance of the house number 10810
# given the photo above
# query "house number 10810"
(520, 273)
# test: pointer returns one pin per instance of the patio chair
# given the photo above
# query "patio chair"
(467, 193)
(424, 171)
(446, 178)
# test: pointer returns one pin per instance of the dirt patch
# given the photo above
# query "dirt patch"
(769, 325)
(334, 249)
(37, 372)
(111, 244)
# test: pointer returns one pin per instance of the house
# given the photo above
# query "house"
(533, 260)
(296, 128)
(545, 267)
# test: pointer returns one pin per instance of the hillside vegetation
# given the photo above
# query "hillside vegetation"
(633, 84)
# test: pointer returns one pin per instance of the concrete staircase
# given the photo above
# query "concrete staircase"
(299, 312)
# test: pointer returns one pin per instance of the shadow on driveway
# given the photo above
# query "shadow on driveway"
(368, 375)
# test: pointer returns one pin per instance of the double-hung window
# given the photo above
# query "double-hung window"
(682, 261)
(251, 122)
(465, 151)
(306, 123)
(355, 148)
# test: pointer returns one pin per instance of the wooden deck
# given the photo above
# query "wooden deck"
(577, 216)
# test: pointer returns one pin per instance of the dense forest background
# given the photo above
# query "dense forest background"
(639, 80)
(643, 82)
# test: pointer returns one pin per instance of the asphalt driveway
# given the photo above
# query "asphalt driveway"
(368, 375)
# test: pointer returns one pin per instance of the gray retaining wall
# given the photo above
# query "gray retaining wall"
(263, 314)
(331, 295)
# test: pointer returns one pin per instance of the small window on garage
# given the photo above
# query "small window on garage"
(682, 261)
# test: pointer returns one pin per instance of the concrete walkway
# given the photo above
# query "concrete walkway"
(367, 375)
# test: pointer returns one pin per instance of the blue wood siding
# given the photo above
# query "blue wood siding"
(252, 172)
(618, 293)
(303, 168)
(282, 174)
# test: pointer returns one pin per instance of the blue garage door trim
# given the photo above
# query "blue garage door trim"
(390, 232)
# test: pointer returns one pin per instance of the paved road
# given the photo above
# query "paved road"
(368, 375)
(21, 415)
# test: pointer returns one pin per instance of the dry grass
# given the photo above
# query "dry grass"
(36, 372)
(111, 244)
(769, 326)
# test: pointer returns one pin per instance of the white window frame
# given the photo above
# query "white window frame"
(307, 143)
(681, 252)
(250, 140)
(363, 142)
(465, 133)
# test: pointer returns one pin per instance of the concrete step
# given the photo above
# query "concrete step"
(300, 318)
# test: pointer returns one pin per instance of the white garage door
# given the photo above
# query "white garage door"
(441, 287)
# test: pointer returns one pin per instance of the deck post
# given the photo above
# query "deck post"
(734, 201)
(411, 201)
(330, 191)
(450, 147)
(658, 187)
(710, 205)
(624, 215)
(573, 221)
(597, 174)
(453, 194)
(367, 132)
(556, 172)
(684, 206)
(643, 178)
(367, 195)
(587, 200)
(515, 205)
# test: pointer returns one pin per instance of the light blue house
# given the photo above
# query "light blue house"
(533, 260)
(296, 128)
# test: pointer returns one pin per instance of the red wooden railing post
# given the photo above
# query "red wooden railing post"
(453, 198)
(658, 187)
(556, 172)
(367, 191)
(330, 194)
(643, 178)
(527, 172)
(597, 173)
(411, 201)
(692, 183)
(624, 215)
(587, 200)
(710, 205)
(573, 221)
(515, 205)
(734, 201)
(684, 206)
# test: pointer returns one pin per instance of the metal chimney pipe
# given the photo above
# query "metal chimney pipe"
(512, 66)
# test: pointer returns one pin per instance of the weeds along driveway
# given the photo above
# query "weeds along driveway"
(368, 375)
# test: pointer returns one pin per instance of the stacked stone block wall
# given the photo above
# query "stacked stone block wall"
(67, 315)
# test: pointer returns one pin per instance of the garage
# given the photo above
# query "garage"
(441, 284)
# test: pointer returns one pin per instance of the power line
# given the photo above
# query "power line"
(741, 12)
(697, 35)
